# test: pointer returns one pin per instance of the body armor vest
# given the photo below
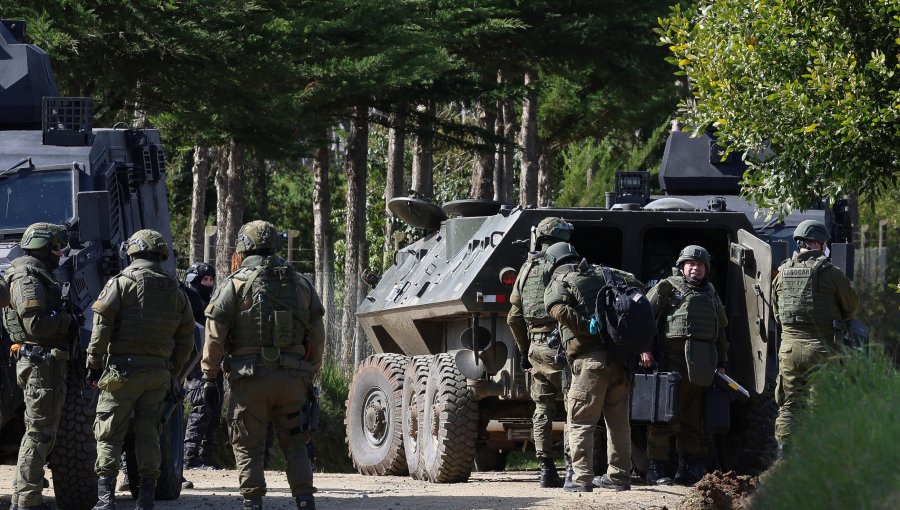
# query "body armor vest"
(11, 320)
(587, 282)
(695, 315)
(800, 300)
(271, 309)
(537, 275)
(148, 325)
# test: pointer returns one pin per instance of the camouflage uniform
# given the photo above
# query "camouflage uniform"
(142, 334)
(266, 321)
(38, 323)
(600, 385)
(693, 313)
(808, 294)
(531, 325)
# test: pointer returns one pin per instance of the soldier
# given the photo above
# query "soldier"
(531, 327)
(204, 417)
(40, 328)
(809, 293)
(265, 319)
(142, 336)
(600, 384)
(692, 342)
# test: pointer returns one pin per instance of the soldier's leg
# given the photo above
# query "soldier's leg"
(618, 426)
(248, 416)
(797, 359)
(213, 412)
(197, 424)
(146, 420)
(690, 438)
(289, 418)
(585, 407)
(114, 410)
(45, 395)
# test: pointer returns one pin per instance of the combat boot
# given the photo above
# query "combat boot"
(306, 502)
(549, 476)
(656, 473)
(145, 495)
(569, 484)
(253, 504)
(690, 470)
(106, 494)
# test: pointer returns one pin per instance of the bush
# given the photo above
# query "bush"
(846, 453)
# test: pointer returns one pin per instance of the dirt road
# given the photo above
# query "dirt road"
(217, 490)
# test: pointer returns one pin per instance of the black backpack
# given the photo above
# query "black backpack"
(625, 313)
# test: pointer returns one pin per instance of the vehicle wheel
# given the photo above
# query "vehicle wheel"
(171, 468)
(374, 416)
(450, 426)
(490, 459)
(412, 411)
(75, 452)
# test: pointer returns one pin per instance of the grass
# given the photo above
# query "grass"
(847, 452)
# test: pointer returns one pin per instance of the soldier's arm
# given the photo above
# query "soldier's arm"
(659, 297)
(106, 308)
(557, 302)
(315, 343)
(219, 316)
(29, 297)
(184, 335)
(516, 320)
(848, 299)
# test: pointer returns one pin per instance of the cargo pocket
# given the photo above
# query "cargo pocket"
(104, 420)
(237, 427)
(23, 372)
(241, 367)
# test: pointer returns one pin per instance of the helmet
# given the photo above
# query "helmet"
(693, 252)
(554, 227)
(256, 235)
(812, 230)
(560, 253)
(42, 235)
(147, 241)
(199, 270)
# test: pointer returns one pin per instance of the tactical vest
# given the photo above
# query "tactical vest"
(800, 300)
(271, 312)
(11, 320)
(695, 314)
(586, 282)
(536, 277)
(148, 325)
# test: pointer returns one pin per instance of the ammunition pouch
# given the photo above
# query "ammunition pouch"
(112, 379)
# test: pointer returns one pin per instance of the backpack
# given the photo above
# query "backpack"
(625, 313)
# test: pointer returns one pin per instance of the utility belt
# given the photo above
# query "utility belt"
(38, 354)
(539, 337)
(138, 361)
(248, 361)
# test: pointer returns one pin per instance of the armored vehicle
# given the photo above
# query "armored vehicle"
(104, 185)
(445, 391)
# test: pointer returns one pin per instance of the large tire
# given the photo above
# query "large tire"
(171, 468)
(413, 411)
(75, 451)
(450, 423)
(374, 416)
(490, 459)
(757, 445)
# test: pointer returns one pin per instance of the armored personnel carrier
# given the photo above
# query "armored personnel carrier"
(104, 184)
(445, 391)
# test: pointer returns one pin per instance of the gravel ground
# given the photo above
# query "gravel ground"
(506, 490)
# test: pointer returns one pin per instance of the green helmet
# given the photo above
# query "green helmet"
(256, 235)
(42, 235)
(812, 230)
(554, 227)
(560, 253)
(693, 252)
(147, 241)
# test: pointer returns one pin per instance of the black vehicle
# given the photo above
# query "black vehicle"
(445, 391)
(104, 184)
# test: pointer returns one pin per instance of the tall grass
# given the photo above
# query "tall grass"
(846, 453)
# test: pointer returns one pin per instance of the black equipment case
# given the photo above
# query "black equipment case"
(655, 397)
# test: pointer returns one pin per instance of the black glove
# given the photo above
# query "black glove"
(210, 391)
(523, 360)
(93, 375)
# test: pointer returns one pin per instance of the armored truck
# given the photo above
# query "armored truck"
(445, 391)
(104, 185)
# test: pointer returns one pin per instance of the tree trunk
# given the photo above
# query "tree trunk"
(359, 337)
(509, 135)
(483, 178)
(200, 180)
(394, 182)
(222, 262)
(545, 176)
(528, 140)
(423, 156)
(356, 170)
(234, 202)
(499, 162)
(261, 187)
(322, 229)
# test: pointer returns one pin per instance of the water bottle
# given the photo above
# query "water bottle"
(595, 326)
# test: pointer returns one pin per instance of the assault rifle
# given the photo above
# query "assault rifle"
(852, 333)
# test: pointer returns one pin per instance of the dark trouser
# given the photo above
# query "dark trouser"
(203, 421)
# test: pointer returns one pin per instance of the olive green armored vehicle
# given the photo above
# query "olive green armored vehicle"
(445, 392)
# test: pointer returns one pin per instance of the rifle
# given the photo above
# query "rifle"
(311, 411)
(175, 395)
(853, 334)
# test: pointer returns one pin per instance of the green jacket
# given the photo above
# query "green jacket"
(527, 313)
(35, 314)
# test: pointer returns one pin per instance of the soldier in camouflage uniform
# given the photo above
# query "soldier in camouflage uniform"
(692, 341)
(142, 336)
(265, 320)
(531, 327)
(39, 328)
(600, 384)
(809, 293)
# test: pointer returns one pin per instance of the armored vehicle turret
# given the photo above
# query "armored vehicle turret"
(445, 391)
(104, 185)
